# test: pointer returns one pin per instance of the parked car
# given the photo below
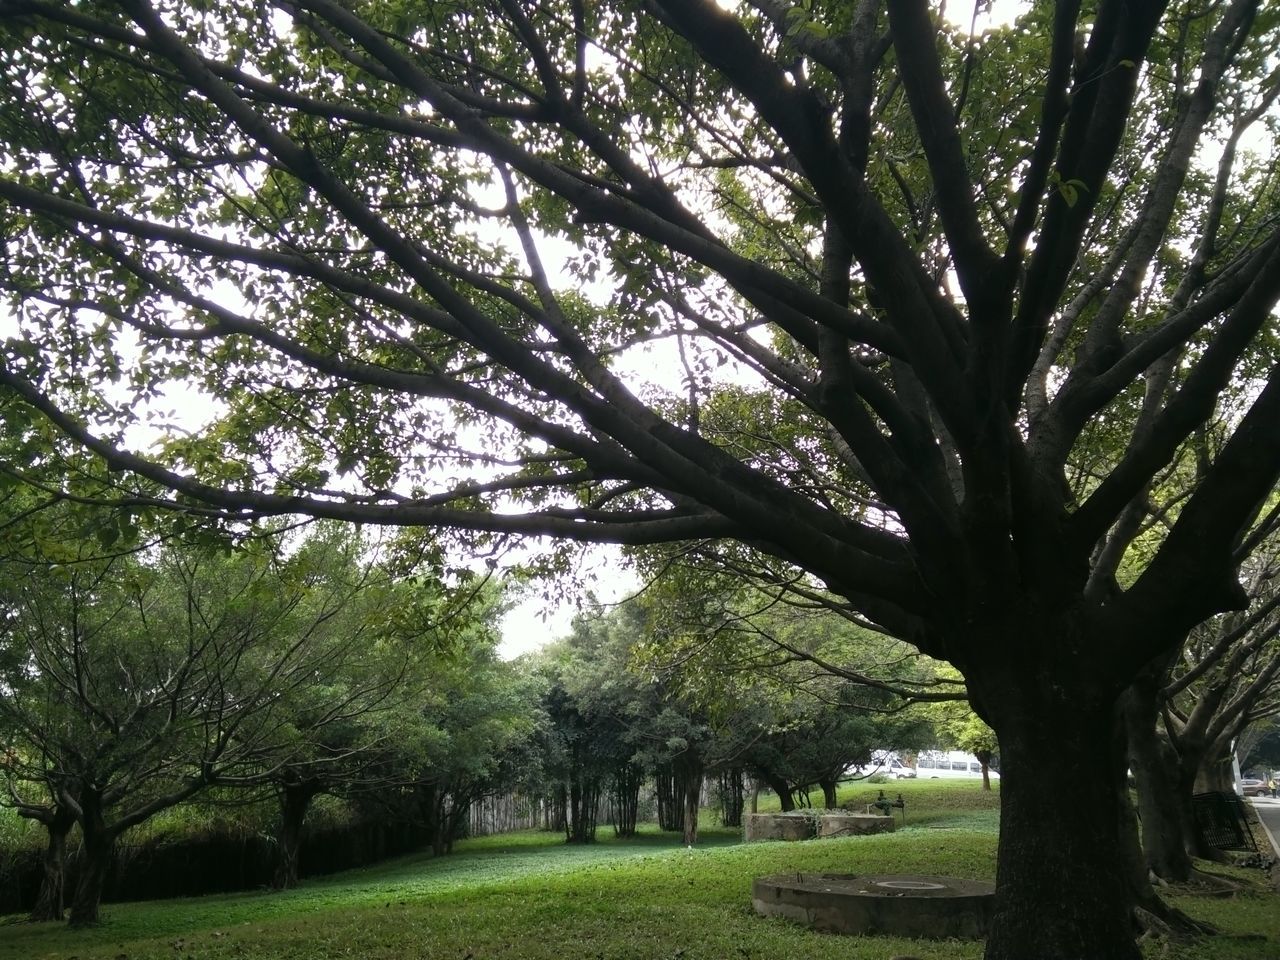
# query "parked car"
(1250, 787)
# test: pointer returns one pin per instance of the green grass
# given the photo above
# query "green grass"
(528, 896)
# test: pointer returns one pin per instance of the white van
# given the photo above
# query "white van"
(889, 764)
(949, 764)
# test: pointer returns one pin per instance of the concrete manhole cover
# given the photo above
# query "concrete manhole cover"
(893, 904)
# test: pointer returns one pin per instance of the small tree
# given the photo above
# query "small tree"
(956, 725)
(471, 737)
(145, 680)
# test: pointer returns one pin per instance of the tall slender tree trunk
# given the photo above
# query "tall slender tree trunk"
(49, 902)
(626, 798)
(584, 792)
(691, 769)
(424, 799)
(731, 797)
(984, 760)
(455, 818)
(432, 798)
(670, 806)
(560, 808)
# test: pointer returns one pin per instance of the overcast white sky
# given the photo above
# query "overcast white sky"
(536, 621)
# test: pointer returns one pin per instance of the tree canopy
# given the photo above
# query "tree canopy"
(946, 311)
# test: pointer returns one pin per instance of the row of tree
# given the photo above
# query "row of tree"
(299, 663)
(136, 678)
(629, 706)
(295, 665)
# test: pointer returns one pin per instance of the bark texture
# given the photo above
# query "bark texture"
(1063, 809)
(1167, 832)
(49, 903)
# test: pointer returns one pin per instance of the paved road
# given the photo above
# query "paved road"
(1269, 813)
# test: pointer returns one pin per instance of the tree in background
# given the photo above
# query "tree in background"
(613, 723)
(1224, 679)
(599, 723)
(957, 727)
(136, 682)
(976, 290)
(40, 533)
(1259, 746)
(473, 734)
(336, 726)
(594, 668)
(813, 693)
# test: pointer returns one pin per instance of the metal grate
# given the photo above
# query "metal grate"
(1220, 818)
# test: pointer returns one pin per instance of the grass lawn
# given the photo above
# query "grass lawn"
(528, 896)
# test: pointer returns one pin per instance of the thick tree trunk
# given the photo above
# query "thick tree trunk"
(431, 800)
(1214, 773)
(1150, 912)
(786, 799)
(1061, 887)
(828, 793)
(1155, 766)
(1201, 772)
(295, 799)
(49, 902)
(95, 861)
(691, 778)
(455, 818)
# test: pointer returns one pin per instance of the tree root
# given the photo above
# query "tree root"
(1156, 919)
(1209, 884)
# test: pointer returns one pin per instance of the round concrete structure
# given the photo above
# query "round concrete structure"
(893, 904)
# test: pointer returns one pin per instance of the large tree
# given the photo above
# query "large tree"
(978, 294)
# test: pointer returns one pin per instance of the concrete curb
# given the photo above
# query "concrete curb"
(1275, 847)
